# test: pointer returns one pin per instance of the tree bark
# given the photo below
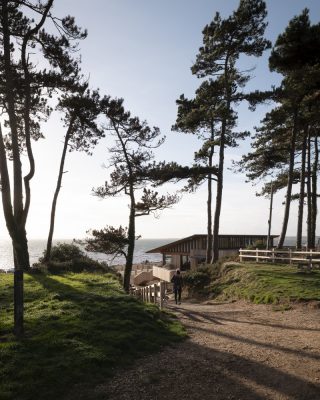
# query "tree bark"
(9, 92)
(131, 243)
(19, 241)
(302, 191)
(57, 191)
(290, 180)
(309, 197)
(209, 204)
(216, 222)
(132, 215)
(314, 191)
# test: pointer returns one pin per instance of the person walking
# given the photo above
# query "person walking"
(177, 286)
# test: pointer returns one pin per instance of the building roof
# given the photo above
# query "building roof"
(172, 246)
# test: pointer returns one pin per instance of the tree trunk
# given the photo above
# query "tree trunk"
(19, 242)
(314, 192)
(209, 221)
(216, 222)
(131, 240)
(57, 191)
(270, 217)
(290, 180)
(302, 191)
(21, 263)
(309, 197)
(217, 213)
(209, 204)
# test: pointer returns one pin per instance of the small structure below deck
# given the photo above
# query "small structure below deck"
(188, 252)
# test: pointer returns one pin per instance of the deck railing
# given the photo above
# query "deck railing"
(307, 258)
(154, 293)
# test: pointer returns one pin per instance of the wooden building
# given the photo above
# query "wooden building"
(190, 251)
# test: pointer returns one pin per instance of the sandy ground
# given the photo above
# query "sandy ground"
(235, 351)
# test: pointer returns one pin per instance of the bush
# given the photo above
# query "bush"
(70, 258)
(258, 244)
(64, 252)
(198, 281)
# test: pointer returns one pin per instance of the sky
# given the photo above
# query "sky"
(142, 51)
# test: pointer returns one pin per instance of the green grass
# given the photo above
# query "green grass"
(79, 328)
(265, 283)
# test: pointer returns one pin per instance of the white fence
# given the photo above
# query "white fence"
(307, 258)
(154, 293)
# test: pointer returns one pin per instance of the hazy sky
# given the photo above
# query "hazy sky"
(142, 50)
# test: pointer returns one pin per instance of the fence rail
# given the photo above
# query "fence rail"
(308, 258)
(154, 293)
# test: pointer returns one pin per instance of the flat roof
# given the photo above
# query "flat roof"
(199, 236)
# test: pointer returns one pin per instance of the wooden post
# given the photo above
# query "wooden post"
(155, 293)
(148, 294)
(310, 260)
(273, 255)
(161, 294)
(290, 256)
(257, 255)
(240, 254)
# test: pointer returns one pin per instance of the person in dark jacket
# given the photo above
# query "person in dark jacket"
(177, 286)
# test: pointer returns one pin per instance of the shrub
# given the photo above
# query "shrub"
(196, 281)
(70, 258)
(258, 244)
(64, 252)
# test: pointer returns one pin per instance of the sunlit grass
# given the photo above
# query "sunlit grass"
(79, 329)
(267, 283)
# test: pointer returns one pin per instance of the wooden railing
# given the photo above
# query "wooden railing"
(154, 293)
(307, 258)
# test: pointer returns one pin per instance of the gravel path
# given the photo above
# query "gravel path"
(235, 351)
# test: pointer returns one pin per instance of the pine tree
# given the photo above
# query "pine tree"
(81, 107)
(131, 157)
(24, 94)
(224, 41)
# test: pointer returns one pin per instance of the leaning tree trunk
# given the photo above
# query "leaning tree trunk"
(302, 192)
(290, 181)
(314, 196)
(57, 191)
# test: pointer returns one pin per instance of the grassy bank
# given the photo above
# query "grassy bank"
(259, 283)
(79, 329)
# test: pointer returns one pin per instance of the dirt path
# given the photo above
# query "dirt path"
(235, 351)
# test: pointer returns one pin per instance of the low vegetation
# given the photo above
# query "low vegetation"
(65, 257)
(79, 328)
(259, 283)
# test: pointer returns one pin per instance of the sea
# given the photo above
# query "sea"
(37, 247)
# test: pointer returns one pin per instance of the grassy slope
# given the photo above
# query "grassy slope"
(79, 327)
(265, 283)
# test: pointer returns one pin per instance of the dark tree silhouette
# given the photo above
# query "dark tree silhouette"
(81, 108)
(224, 41)
(131, 156)
(23, 101)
